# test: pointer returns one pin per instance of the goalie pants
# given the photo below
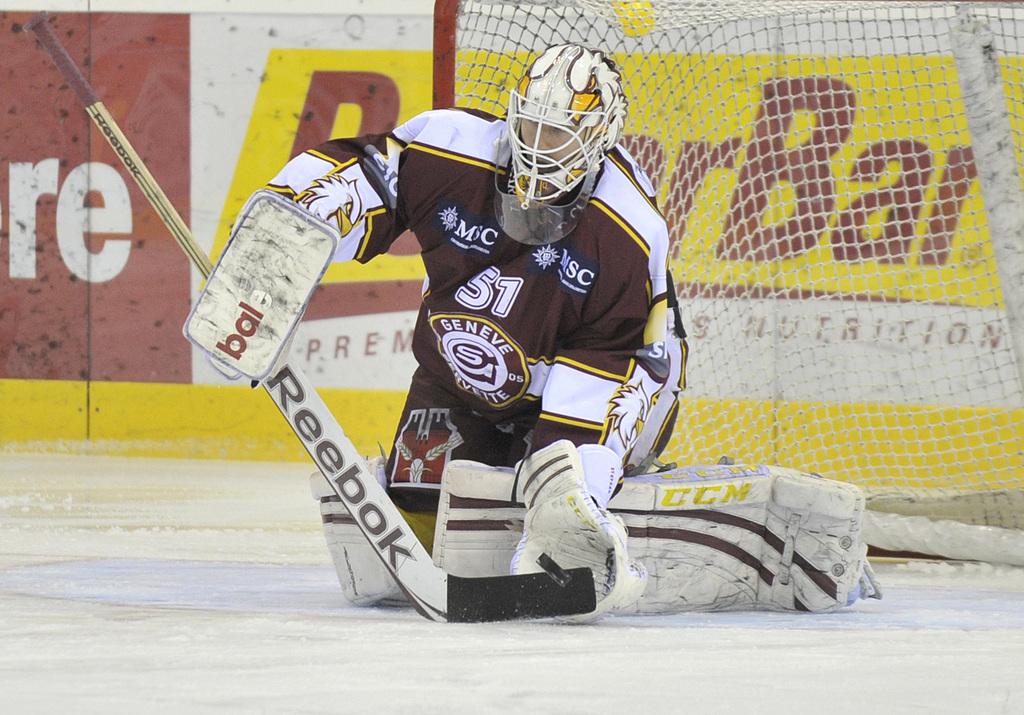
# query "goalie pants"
(437, 427)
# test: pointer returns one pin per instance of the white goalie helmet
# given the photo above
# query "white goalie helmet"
(566, 113)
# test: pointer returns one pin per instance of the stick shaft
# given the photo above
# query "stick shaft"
(108, 126)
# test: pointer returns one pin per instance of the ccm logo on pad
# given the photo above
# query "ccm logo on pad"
(245, 327)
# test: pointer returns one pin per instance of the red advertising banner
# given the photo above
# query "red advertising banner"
(92, 286)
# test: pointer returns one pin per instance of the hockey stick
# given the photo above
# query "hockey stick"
(435, 594)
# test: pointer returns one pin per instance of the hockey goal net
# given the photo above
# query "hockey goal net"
(842, 185)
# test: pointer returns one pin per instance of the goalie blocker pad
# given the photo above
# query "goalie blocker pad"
(720, 537)
(255, 297)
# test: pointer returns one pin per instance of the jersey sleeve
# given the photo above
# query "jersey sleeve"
(606, 379)
(353, 185)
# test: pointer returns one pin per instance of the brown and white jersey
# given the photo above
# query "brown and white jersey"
(571, 335)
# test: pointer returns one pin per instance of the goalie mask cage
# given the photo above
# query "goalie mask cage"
(842, 186)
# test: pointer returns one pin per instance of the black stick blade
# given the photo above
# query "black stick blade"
(506, 598)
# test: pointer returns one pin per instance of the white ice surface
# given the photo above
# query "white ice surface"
(159, 586)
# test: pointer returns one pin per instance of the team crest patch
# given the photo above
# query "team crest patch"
(424, 446)
(485, 361)
(467, 232)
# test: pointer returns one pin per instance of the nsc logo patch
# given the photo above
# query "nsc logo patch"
(576, 273)
(485, 362)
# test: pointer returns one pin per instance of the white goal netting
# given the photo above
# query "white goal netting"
(842, 184)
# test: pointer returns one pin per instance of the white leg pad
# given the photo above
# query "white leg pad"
(719, 537)
(363, 578)
(822, 557)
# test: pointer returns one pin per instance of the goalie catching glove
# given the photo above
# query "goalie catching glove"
(567, 521)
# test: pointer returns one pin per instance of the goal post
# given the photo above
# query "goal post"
(842, 185)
